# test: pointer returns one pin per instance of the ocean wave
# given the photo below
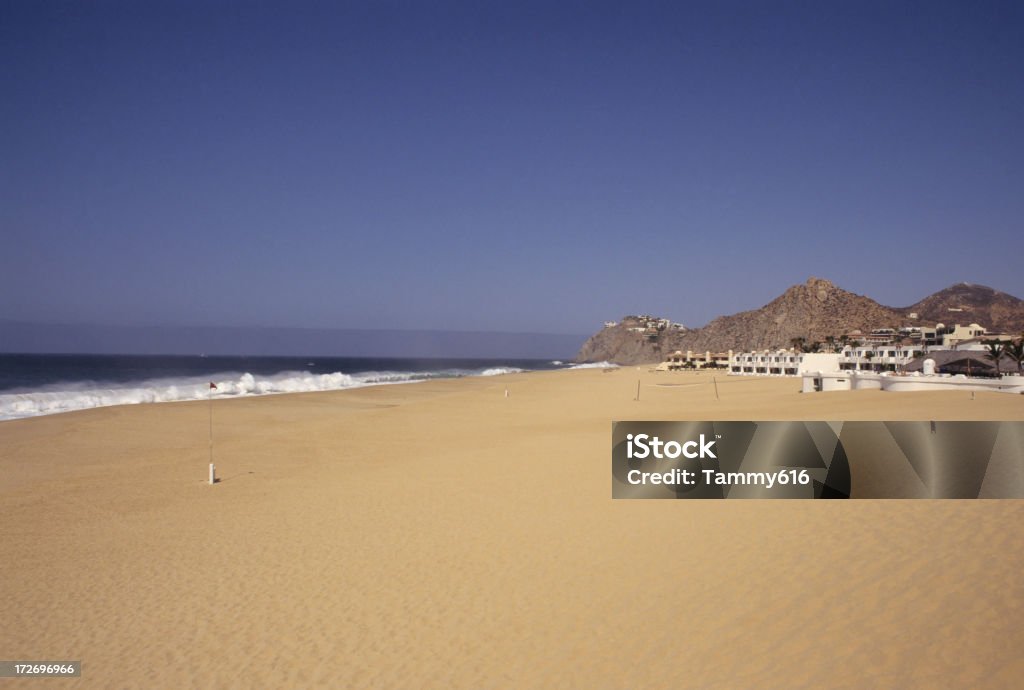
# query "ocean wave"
(499, 371)
(68, 397)
(595, 365)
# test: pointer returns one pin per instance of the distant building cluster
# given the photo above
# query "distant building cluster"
(791, 363)
(679, 360)
(648, 326)
(911, 358)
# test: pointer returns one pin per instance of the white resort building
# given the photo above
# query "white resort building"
(888, 367)
(791, 363)
(878, 357)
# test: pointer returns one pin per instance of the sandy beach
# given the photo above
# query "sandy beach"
(444, 535)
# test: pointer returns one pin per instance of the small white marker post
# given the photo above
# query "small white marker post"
(209, 397)
(506, 392)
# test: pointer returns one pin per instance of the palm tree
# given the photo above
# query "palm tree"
(1016, 352)
(797, 343)
(995, 351)
(830, 340)
(869, 355)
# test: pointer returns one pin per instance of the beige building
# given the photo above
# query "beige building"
(959, 333)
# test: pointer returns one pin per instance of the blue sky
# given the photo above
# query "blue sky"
(500, 166)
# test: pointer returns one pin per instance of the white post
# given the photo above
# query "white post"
(213, 474)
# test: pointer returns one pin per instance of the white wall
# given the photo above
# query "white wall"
(818, 361)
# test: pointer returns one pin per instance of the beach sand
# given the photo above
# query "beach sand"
(444, 535)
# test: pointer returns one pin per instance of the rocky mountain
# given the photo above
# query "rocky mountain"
(813, 310)
(630, 341)
(966, 303)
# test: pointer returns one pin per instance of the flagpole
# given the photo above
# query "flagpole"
(209, 397)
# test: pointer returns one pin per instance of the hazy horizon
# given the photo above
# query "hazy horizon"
(525, 168)
(35, 338)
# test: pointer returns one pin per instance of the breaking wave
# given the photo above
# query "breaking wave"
(595, 365)
(67, 397)
(498, 371)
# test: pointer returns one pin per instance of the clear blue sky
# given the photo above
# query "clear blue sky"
(500, 166)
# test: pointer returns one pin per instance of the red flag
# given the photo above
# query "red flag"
(213, 386)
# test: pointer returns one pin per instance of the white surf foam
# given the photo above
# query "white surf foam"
(499, 371)
(57, 398)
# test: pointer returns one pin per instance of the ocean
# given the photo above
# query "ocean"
(32, 384)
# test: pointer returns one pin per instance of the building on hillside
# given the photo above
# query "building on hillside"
(953, 337)
(924, 335)
(880, 336)
(981, 344)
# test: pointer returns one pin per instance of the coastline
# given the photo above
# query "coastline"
(444, 534)
(34, 385)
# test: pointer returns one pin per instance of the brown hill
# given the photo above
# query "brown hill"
(966, 303)
(622, 345)
(813, 310)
